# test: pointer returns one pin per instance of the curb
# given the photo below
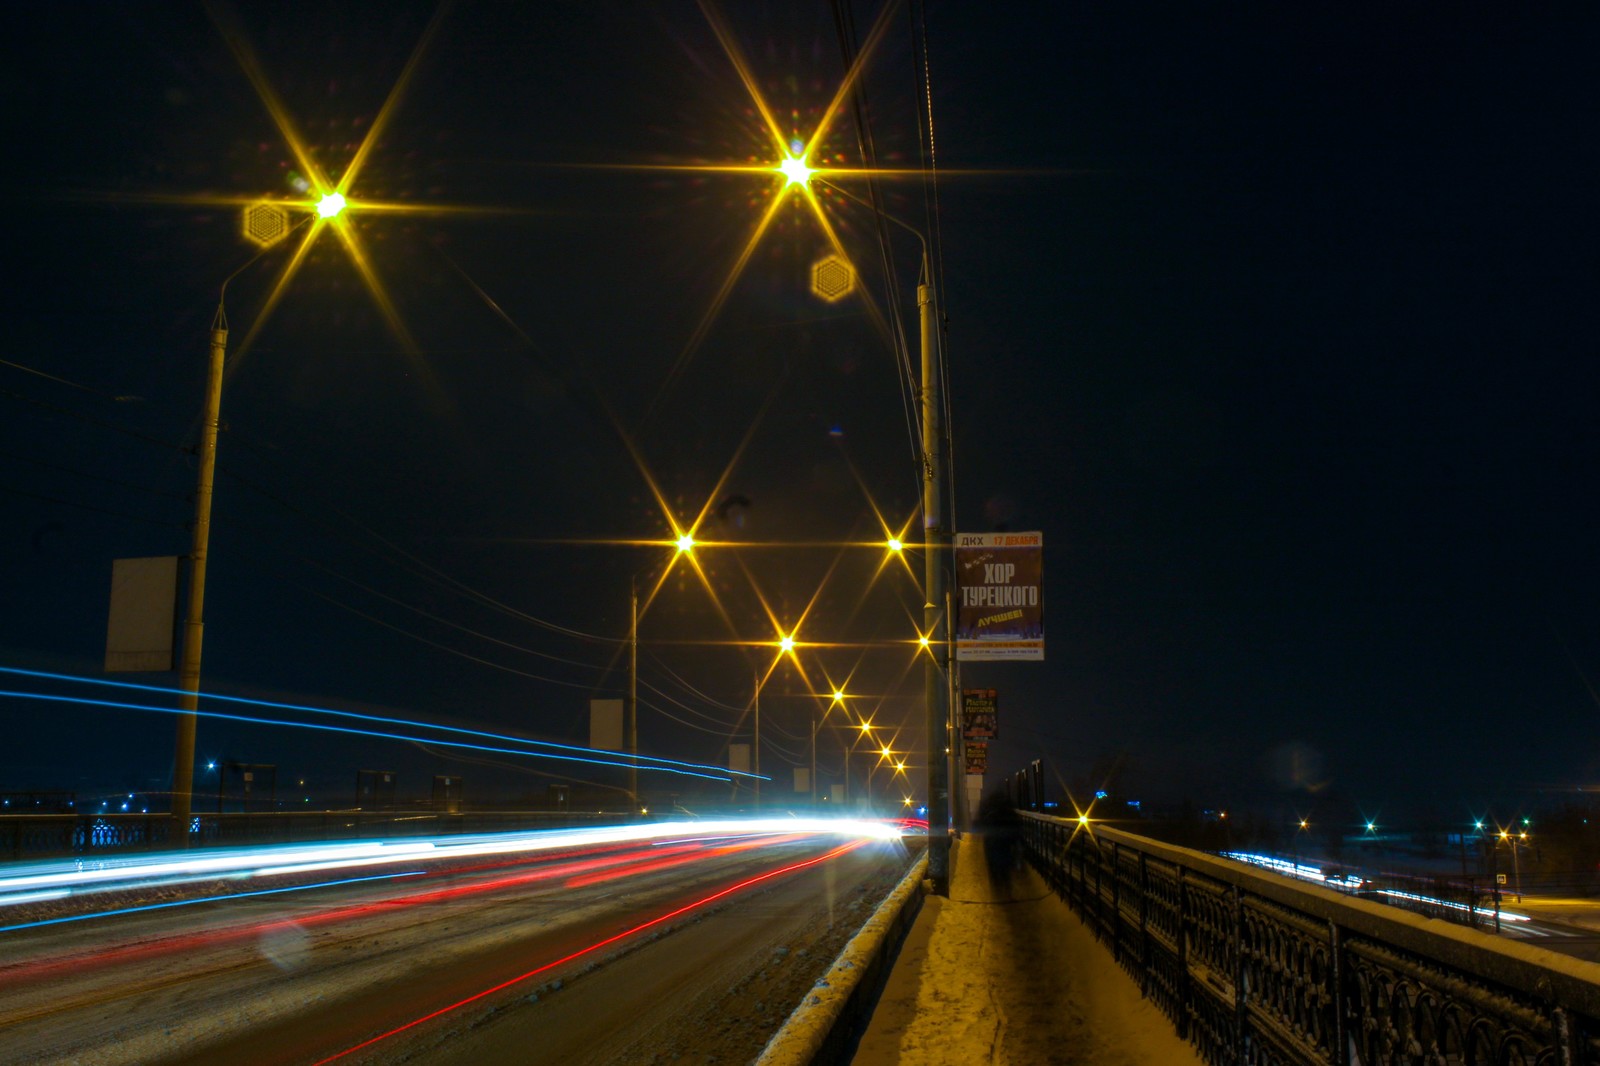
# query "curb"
(825, 1026)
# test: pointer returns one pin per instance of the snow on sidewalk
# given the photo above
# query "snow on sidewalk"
(1003, 973)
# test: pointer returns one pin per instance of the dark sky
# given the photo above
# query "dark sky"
(1277, 320)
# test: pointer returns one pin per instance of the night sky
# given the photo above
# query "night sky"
(1277, 320)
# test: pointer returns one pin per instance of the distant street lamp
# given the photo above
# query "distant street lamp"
(684, 543)
(1515, 843)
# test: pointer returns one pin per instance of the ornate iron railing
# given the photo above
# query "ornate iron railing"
(1258, 970)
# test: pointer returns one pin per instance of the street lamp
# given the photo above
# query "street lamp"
(816, 727)
(936, 539)
(267, 225)
(1515, 843)
(684, 543)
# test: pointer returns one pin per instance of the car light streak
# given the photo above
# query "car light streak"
(1312, 873)
(596, 946)
(671, 860)
(308, 709)
(194, 942)
(144, 907)
(172, 868)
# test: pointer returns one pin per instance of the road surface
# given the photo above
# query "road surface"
(660, 951)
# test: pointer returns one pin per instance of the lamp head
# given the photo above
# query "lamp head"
(795, 170)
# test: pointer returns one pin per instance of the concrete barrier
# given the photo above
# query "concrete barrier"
(826, 1025)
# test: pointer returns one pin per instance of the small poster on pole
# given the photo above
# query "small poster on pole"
(978, 714)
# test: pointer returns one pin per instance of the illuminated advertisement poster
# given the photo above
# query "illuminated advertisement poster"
(978, 717)
(999, 597)
(977, 758)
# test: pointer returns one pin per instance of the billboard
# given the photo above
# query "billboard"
(978, 714)
(605, 725)
(999, 597)
(144, 605)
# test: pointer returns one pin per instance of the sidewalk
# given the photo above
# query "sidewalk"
(1003, 973)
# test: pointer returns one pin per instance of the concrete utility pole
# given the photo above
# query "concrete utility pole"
(193, 622)
(756, 754)
(936, 538)
(633, 691)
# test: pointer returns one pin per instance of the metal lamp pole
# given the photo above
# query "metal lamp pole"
(936, 691)
(936, 540)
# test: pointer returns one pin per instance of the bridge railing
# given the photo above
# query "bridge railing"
(1253, 968)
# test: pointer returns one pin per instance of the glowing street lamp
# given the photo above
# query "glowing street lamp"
(685, 544)
(267, 225)
(795, 170)
(894, 545)
(330, 205)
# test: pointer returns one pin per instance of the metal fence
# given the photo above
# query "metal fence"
(41, 836)
(1258, 970)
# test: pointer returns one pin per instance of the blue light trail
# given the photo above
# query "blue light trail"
(719, 772)
(719, 775)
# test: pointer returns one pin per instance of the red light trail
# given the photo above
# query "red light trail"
(686, 908)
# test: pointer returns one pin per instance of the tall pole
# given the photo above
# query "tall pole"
(936, 692)
(757, 753)
(633, 691)
(193, 623)
(814, 726)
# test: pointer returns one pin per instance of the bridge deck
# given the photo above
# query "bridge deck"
(1002, 972)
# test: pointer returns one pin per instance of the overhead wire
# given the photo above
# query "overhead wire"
(61, 469)
(417, 566)
(933, 220)
(844, 26)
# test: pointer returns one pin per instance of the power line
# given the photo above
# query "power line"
(13, 490)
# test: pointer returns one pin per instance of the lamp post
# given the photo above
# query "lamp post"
(684, 543)
(1515, 843)
(633, 690)
(936, 537)
(755, 754)
(816, 727)
(267, 225)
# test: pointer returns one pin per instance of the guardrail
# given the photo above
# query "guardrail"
(1253, 968)
(834, 1014)
(42, 836)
